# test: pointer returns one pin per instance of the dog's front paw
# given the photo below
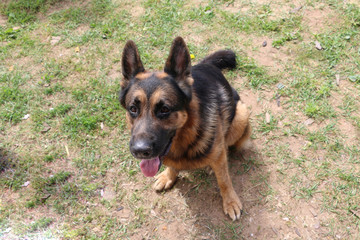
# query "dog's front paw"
(165, 180)
(232, 206)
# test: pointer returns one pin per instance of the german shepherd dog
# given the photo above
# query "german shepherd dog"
(185, 117)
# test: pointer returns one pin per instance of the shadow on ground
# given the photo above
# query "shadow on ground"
(202, 196)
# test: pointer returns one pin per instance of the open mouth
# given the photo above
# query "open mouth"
(149, 167)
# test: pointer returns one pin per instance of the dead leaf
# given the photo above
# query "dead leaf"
(46, 128)
(11, 68)
(45, 197)
(67, 150)
(318, 45)
(77, 49)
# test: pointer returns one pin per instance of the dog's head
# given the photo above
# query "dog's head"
(156, 102)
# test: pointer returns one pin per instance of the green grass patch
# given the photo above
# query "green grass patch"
(24, 11)
(40, 224)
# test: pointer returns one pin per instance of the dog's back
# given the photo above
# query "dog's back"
(216, 98)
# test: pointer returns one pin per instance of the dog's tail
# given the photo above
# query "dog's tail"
(221, 59)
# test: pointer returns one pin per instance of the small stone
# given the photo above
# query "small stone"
(297, 232)
(102, 126)
(27, 183)
(153, 212)
(267, 117)
(102, 192)
(318, 45)
(309, 121)
(26, 117)
(286, 219)
(317, 225)
(264, 44)
(120, 208)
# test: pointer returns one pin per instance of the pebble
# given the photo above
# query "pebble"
(317, 225)
(309, 121)
(318, 45)
(26, 117)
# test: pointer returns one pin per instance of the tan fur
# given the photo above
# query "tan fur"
(139, 94)
(128, 121)
(143, 75)
(155, 97)
(190, 81)
(239, 126)
(161, 75)
(187, 133)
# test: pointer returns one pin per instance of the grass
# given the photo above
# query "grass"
(66, 171)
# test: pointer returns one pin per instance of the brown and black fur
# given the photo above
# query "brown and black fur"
(187, 115)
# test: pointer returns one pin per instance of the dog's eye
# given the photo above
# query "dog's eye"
(164, 109)
(133, 109)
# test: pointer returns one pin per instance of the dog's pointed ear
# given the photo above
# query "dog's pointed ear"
(178, 63)
(131, 62)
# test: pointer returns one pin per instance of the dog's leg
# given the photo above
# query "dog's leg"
(166, 179)
(231, 202)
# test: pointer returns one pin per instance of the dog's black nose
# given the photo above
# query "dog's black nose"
(141, 149)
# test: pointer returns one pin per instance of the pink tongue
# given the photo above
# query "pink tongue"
(150, 167)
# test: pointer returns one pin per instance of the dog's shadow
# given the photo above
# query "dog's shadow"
(202, 194)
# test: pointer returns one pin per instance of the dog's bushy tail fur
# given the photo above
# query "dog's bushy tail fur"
(221, 59)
